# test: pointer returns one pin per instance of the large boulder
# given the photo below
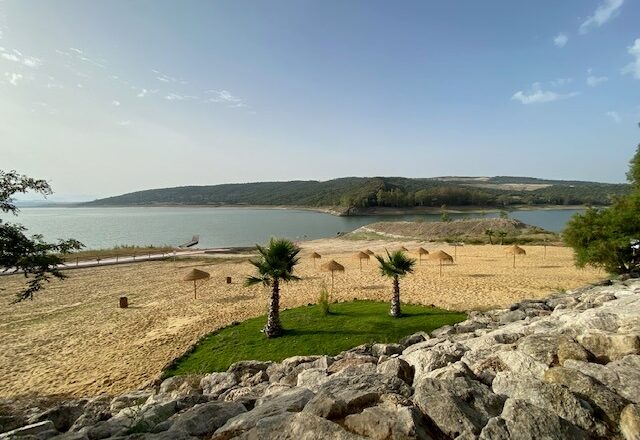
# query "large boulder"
(523, 421)
(622, 376)
(29, 431)
(133, 398)
(458, 406)
(429, 359)
(62, 416)
(350, 361)
(289, 401)
(397, 367)
(378, 350)
(300, 426)
(630, 422)
(326, 405)
(608, 347)
(215, 384)
(204, 419)
(550, 396)
(388, 421)
(570, 349)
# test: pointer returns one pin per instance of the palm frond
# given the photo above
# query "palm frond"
(395, 264)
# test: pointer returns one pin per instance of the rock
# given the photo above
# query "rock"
(396, 367)
(388, 422)
(204, 419)
(244, 395)
(519, 362)
(457, 406)
(62, 416)
(131, 399)
(362, 390)
(512, 316)
(570, 349)
(523, 421)
(444, 331)
(609, 347)
(312, 378)
(215, 384)
(607, 404)
(258, 378)
(299, 426)
(245, 369)
(289, 401)
(630, 422)
(441, 355)
(451, 371)
(542, 348)
(423, 345)
(326, 405)
(343, 363)
(550, 396)
(378, 350)
(414, 339)
(29, 430)
(622, 376)
(95, 411)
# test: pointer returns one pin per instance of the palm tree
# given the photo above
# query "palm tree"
(502, 235)
(275, 264)
(489, 233)
(396, 265)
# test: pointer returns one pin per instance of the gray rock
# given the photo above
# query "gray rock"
(570, 349)
(414, 339)
(622, 376)
(352, 360)
(512, 316)
(289, 401)
(607, 404)
(388, 422)
(542, 348)
(451, 371)
(396, 367)
(29, 430)
(550, 396)
(62, 416)
(378, 350)
(444, 331)
(521, 420)
(205, 418)
(215, 384)
(457, 406)
(326, 405)
(299, 426)
(441, 355)
(312, 378)
(130, 399)
(243, 370)
(245, 395)
(630, 422)
(608, 347)
(518, 361)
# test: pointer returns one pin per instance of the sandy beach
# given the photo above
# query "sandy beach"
(73, 339)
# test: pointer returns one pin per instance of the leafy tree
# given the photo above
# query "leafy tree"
(603, 237)
(276, 263)
(36, 259)
(395, 266)
(504, 214)
(444, 215)
(501, 235)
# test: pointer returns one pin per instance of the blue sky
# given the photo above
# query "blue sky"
(109, 97)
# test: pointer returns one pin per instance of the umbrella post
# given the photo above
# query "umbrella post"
(360, 259)
(195, 292)
(440, 267)
(332, 281)
(514, 259)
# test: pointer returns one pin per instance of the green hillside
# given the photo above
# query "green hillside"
(363, 192)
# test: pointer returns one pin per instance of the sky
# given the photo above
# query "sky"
(103, 98)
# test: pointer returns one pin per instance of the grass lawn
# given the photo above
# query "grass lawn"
(307, 332)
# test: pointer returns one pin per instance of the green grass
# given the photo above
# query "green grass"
(308, 332)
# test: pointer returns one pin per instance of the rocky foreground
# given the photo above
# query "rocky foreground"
(567, 367)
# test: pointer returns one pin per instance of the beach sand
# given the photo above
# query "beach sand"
(72, 339)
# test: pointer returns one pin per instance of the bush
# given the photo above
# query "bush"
(323, 301)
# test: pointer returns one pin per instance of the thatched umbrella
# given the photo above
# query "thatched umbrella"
(332, 266)
(194, 276)
(362, 256)
(370, 252)
(315, 257)
(422, 251)
(515, 250)
(404, 249)
(441, 256)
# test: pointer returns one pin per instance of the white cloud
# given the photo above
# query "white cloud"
(536, 95)
(179, 97)
(142, 93)
(606, 11)
(593, 81)
(224, 96)
(558, 82)
(17, 57)
(633, 68)
(615, 117)
(13, 78)
(124, 123)
(115, 103)
(560, 40)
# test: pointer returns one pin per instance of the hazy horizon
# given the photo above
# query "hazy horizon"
(108, 98)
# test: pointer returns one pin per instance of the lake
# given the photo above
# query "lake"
(219, 227)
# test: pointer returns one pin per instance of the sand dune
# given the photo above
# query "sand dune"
(73, 339)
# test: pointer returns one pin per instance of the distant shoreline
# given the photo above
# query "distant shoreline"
(343, 212)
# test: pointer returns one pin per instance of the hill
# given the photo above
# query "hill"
(354, 193)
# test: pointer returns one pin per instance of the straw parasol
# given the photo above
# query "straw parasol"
(315, 257)
(362, 256)
(370, 252)
(332, 266)
(422, 251)
(195, 275)
(441, 256)
(404, 249)
(515, 250)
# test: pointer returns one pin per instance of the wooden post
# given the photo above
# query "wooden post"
(116, 258)
(514, 259)
(360, 263)
(440, 267)
(76, 261)
(332, 281)
(228, 280)
(195, 293)
(124, 302)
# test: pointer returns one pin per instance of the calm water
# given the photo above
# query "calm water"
(108, 227)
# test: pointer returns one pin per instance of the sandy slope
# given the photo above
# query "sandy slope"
(73, 338)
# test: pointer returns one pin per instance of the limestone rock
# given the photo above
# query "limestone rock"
(630, 422)
(378, 350)
(609, 347)
(414, 339)
(205, 418)
(622, 376)
(326, 405)
(397, 367)
(570, 349)
(441, 355)
(343, 363)
(62, 416)
(215, 384)
(29, 430)
(388, 422)
(312, 378)
(130, 399)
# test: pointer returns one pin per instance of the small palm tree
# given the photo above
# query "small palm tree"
(489, 233)
(275, 264)
(396, 265)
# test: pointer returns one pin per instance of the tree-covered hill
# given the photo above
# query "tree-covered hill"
(363, 192)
